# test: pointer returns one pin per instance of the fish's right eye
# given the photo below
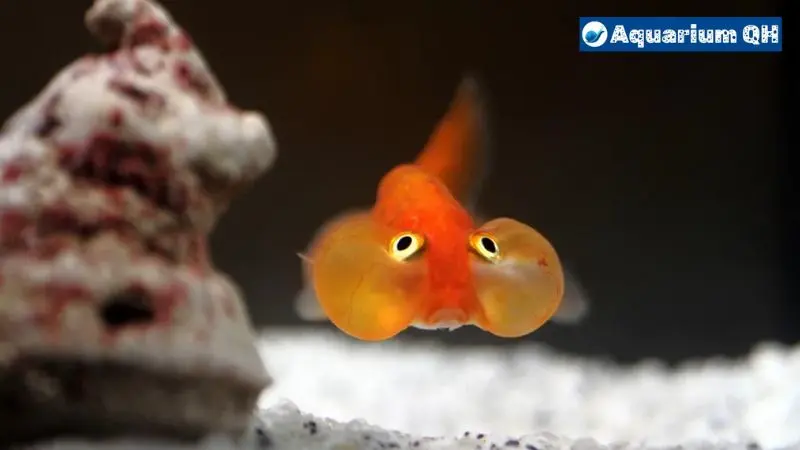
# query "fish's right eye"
(406, 245)
(485, 246)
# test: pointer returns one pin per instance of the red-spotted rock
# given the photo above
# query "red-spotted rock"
(112, 317)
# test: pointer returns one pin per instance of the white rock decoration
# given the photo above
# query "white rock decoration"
(112, 316)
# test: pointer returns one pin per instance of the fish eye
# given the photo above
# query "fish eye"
(485, 246)
(405, 245)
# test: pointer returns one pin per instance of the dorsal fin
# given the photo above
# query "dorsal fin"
(457, 151)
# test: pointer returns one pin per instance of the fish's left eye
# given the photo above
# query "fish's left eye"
(405, 245)
(485, 246)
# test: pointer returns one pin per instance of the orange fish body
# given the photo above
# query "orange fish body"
(417, 258)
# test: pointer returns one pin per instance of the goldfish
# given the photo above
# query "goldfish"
(418, 257)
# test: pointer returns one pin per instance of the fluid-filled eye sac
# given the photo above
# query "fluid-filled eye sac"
(405, 245)
(363, 277)
(522, 290)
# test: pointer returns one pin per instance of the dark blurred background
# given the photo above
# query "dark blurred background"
(663, 179)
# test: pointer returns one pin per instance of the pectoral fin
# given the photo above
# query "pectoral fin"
(356, 283)
(522, 289)
(575, 305)
(307, 306)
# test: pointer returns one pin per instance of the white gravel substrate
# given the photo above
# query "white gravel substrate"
(527, 398)
(437, 391)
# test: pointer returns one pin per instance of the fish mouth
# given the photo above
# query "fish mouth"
(448, 318)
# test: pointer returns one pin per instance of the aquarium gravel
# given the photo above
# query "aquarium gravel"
(332, 392)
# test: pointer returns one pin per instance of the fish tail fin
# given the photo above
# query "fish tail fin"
(457, 151)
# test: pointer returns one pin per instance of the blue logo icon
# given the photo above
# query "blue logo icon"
(594, 34)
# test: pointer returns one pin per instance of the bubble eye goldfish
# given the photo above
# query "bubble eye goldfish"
(417, 257)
